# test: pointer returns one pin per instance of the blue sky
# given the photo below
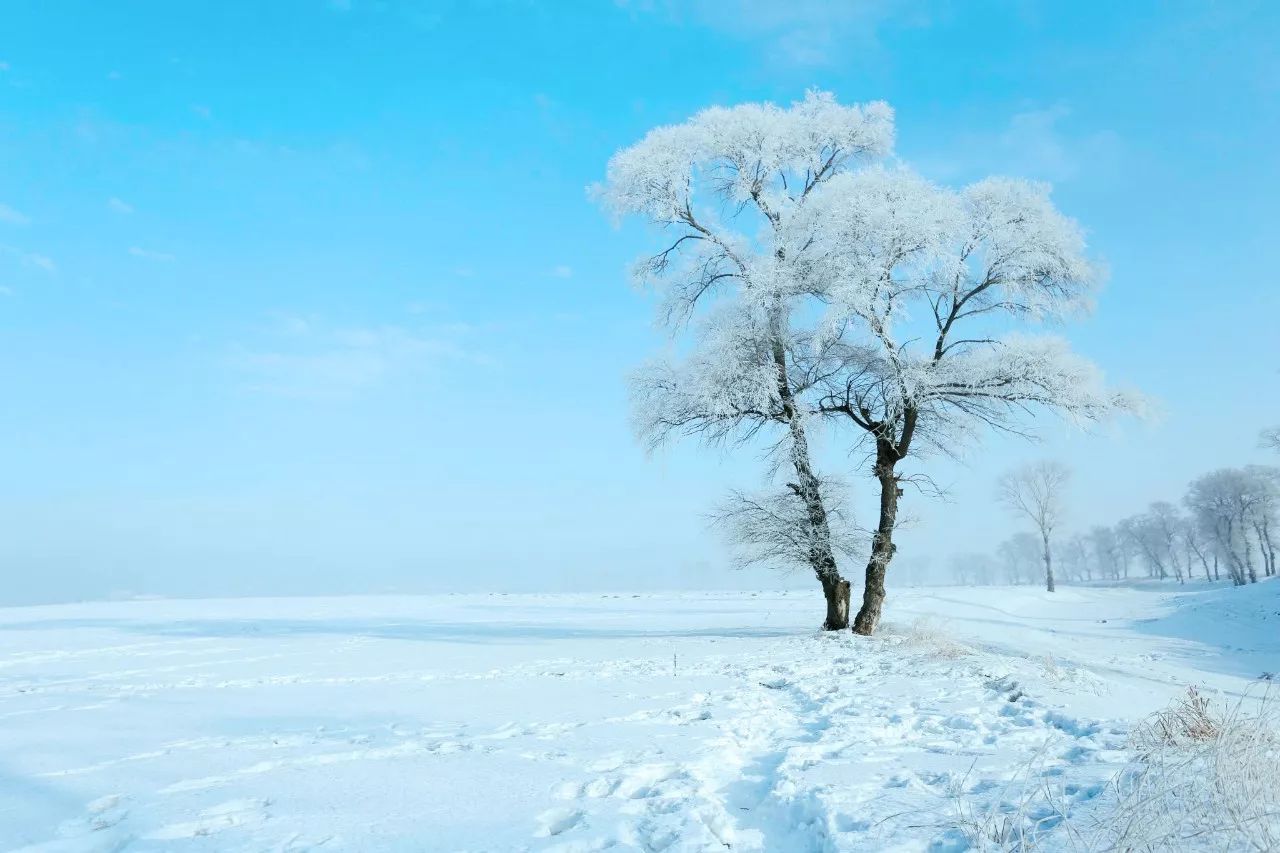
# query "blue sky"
(308, 296)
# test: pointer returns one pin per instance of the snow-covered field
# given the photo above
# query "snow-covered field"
(584, 722)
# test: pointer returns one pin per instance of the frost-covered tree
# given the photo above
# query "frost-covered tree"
(1159, 537)
(1020, 557)
(864, 293)
(973, 569)
(923, 284)
(1264, 482)
(1199, 549)
(771, 527)
(1271, 438)
(730, 189)
(1076, 562)
(1224, 505)
(1109, 554)
(1036, 492)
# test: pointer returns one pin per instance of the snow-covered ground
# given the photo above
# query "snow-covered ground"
(584, 722)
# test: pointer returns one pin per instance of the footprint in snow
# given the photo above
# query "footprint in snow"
(555, 821)
(228, 815)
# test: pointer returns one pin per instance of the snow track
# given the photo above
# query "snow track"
(567, 723)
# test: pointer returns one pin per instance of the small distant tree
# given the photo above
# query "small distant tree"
(1224, 504)
(1271, 438)
(1020, 557)
(1036, 492)
(1108, 554)
(1199, 547)
(973, 569)
(1264, 482)
(1076, 560)
(1160, 537)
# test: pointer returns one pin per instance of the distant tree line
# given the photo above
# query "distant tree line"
(1225, 527)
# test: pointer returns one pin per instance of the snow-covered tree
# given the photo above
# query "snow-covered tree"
(1199, 549)
(1109, 552)
(1159, 537)
(922, 284)
(771, 527)
(1264, 517)
(1224, 504)
(1271, 438)
(730, 189)
(1076, 560)
(1020, 557)
(1036, 492)
(973, 569)
(848, 289)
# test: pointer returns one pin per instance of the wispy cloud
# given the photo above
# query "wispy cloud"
(304, 358)
(804, 33)
(562, 271)
(9, 216)
(202, 111)
(119, 206)
(1039, 143)
(29, 259)
(150, 255)
(6, 291)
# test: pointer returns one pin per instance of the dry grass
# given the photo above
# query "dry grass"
(924, 634)
(1205, 778)
(1188, 722)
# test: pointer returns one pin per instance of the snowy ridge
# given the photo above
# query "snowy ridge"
(693, 722)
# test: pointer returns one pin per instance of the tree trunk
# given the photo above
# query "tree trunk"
(834, 587)
(837, 594)
(1267, 548)
(882, 547)
(1262, 550)
(1048, 564)
(821, 557)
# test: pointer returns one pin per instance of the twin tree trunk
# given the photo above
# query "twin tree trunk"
(882, 547)
(834, 587)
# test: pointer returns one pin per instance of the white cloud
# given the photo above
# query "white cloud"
(202, 111)
(305, 359)
(294, 326)
(9, 216)
(29, 259)
(119, 206)
(148, 254)
(802, 33)
(1037, 143)
(6, 291)
(4, 66)
(562, 271)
